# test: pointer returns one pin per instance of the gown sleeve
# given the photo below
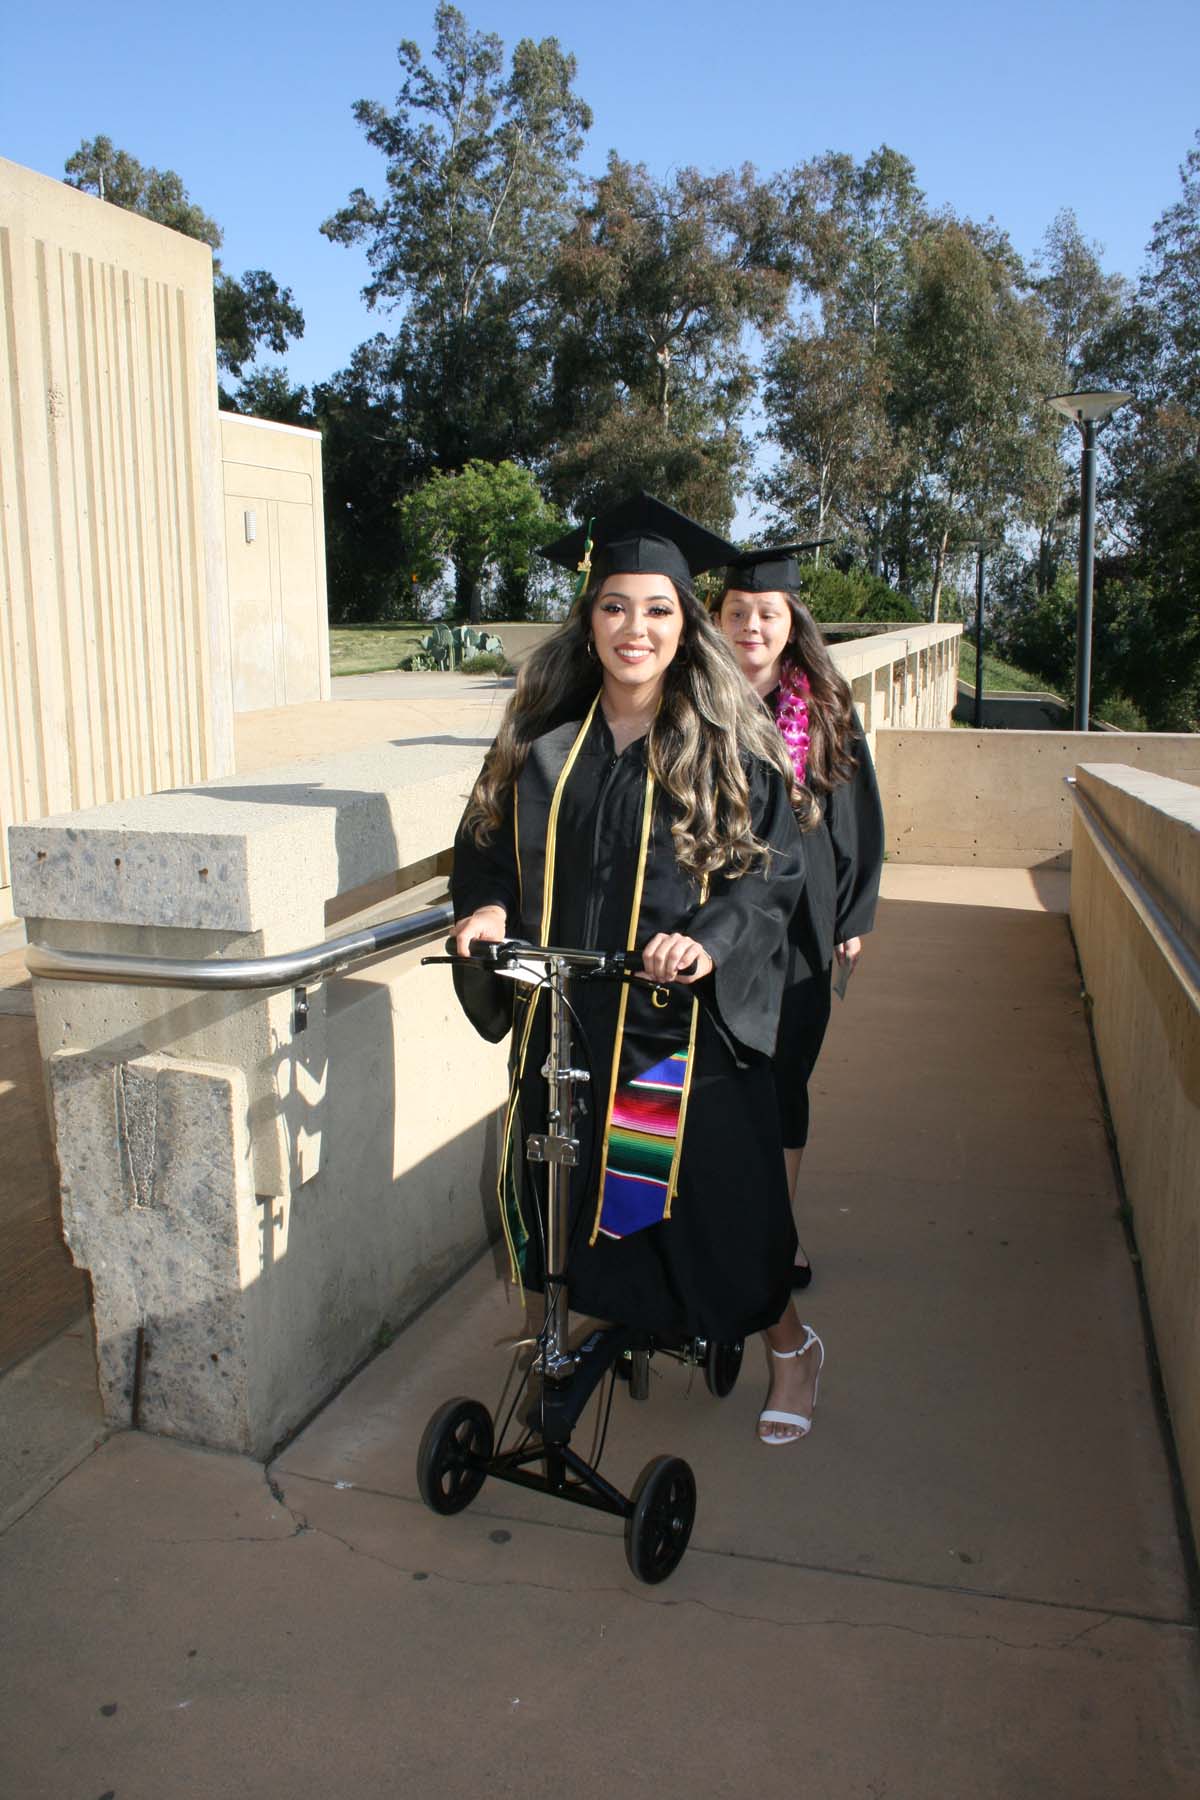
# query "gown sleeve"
(486, 875)
(854, 815)
(743, 925)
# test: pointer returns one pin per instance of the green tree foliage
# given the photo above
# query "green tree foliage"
(830, 378)
(479, 174)
(479, 169)
(99, 168)
(1151, 489)
(1080, 299)
(251, 314)
(1080, 302)
(367, 465)
(489, 518)
(827, 397)
(268, 394)
(971, 381)
(836, 596)
(656, 286)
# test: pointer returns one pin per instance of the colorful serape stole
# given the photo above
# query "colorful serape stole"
(642, 1137)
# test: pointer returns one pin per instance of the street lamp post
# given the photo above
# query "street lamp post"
(1088, 410)
(979, 550)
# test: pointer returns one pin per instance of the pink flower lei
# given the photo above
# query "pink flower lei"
(791, 715)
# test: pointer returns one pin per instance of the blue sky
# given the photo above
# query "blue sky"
(251, 105)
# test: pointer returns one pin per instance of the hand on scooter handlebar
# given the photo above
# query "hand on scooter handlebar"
(486, 925)
(673, 956)
(668, 957)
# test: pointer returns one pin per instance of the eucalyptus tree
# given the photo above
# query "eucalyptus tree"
(479, 159)
(657, 287)
(1151, 496)
(1081, 301)
(827, 399)
(972, 367)
(830, 384)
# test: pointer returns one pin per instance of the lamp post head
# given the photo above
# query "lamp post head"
(1089, 407)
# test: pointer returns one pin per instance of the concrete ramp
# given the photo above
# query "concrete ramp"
(968, 1582)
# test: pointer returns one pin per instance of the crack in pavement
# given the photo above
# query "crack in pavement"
(802, 1568)
(741, 1617)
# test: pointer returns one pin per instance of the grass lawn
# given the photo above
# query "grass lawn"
(364, 649)
(998, 676)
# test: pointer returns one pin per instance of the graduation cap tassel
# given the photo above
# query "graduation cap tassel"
(585, 567)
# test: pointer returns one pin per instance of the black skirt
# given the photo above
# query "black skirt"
(720, 1267)
(803, 1019)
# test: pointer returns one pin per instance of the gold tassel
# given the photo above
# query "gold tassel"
(585, 567)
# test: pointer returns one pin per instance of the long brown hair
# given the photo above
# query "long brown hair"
(831, 734)
(708, 722)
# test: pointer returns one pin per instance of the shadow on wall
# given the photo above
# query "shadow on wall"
(254, 1309)
(40, 1290)
(365, 1246)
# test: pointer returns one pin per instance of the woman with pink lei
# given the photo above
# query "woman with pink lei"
(783, 656)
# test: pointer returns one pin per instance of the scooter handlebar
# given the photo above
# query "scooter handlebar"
(518, 950)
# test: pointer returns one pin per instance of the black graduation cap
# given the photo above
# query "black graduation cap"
(642, 535)
(769, 571)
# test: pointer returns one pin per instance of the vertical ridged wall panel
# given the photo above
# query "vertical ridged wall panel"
(108, 438)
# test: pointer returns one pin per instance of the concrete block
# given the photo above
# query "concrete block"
(159, 1204)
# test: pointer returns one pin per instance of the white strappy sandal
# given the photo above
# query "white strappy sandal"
(802, 1425)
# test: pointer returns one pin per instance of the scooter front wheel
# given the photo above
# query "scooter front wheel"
(458, 1438)
(664, 1509)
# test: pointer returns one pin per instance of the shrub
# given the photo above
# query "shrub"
(836, 597)
(488, 662)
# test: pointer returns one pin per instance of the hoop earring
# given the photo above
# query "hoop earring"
(590, 647)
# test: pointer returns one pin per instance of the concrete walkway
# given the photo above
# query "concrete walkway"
(968, 1584)
(371, 709)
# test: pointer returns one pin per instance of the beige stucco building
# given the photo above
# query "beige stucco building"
(160, 566)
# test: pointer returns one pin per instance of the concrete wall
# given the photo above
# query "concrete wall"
(114, 626)
(275, 549)
(258, 1199)
(905, 677)
(1146, 1017)
(998, 798)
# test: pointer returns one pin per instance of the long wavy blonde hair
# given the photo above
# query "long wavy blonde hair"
(708, 722)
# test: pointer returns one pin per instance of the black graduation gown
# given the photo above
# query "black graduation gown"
(844, 855)
(719, 1266)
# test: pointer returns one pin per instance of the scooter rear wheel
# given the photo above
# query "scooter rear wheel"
(456, 1439)
(722, 1365)
(664, 1509)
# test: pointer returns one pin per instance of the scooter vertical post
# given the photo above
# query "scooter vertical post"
(556, 1363)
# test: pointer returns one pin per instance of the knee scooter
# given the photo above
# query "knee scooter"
(459, 1450)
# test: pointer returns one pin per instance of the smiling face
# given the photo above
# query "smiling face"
(758, 626)
(637, 627)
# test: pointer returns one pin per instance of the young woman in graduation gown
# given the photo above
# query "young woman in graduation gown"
(638, 797)
(783, 656)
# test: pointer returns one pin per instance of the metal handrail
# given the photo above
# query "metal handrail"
(294, 969)
(1179, 955)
